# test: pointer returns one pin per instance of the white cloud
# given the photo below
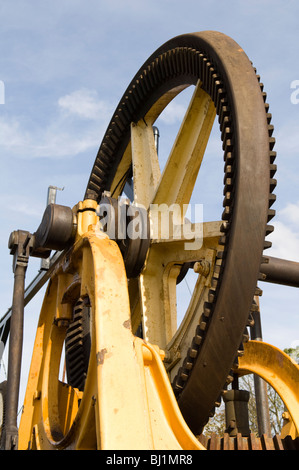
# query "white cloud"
(291, 213)
(285, 238)
(285, 242)
(287, 138)
(83, 103)
(78, 126)
(12, 135)
(173, 112)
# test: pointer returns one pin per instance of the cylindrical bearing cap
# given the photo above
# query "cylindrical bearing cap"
(56, 229)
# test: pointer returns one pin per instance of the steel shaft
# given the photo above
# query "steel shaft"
(15, 359)
(281, 271)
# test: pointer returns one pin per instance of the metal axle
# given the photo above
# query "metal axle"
(281, 271)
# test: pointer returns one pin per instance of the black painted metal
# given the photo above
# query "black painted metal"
(281, 271)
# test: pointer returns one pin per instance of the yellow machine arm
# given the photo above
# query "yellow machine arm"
(278, 370)
(127, 401)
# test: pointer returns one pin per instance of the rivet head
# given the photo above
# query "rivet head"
(202, 267)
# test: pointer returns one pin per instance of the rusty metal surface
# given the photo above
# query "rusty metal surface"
(252, 442)
(281, 271)
(128, 402)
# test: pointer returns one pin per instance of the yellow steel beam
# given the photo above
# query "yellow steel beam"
(158, 283)
(179, 175)
(146, 168)
(127, 402)
(276, 368)
(150, 118)
(167, 197)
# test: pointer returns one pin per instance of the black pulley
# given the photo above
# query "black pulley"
(56, 230)
(129, 226)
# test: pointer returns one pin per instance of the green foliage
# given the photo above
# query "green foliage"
(293, 353)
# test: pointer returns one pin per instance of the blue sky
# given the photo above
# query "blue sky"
(65, 64)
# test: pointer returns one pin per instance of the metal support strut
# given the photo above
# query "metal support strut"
(281, 271)
(260, 386)
(19, 245)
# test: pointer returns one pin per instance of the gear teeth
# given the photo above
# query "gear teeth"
(223, 240)
(183, 374)
(225, 109)
(177, 386)
(197, 339)
(258, 292)
(250, 321)
(224, 227)
(271, 143)
(262, 277)
(228, 199)
(270, 127)
(271, 214)
(273, 169)
(77, 346)
(207, 309)
(229, 168)
(226, 214)
(273, 183)
(272, 156)
(192, 352)
(272, 199)
(254, 307)
(230, 378)
(172, 63)
(187, 364)
(212, 296)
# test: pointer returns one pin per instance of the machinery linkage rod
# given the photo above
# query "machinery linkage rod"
(55, 232)
(281, 271)
(20, 243)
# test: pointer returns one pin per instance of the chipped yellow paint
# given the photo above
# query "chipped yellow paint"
(127, 402)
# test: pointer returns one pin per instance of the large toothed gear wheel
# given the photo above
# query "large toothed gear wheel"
(201, 354)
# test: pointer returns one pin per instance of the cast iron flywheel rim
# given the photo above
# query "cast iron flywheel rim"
(229, 78)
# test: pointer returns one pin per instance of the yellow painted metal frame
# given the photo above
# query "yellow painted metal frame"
(280, 371)
(153, 189)
(127, 402)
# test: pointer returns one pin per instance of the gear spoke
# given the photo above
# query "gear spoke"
(184, 161)
(146, 169)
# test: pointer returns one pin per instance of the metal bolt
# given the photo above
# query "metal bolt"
(62, 322)
(13, 239)
(37, 395)
(202, 267)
